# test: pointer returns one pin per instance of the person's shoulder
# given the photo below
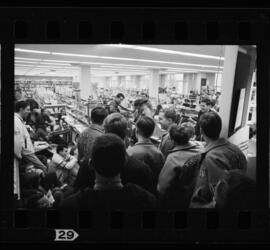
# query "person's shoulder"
(137, 190)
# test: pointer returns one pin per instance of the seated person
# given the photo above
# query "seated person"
(144, 150)
(65, 165)
(183, 150)
(108, 191)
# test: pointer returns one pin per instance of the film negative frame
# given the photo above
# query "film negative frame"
(135, 26)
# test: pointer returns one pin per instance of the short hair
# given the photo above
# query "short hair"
(142, 101)
(170, 113)
(181, 134)
(212, 102)
(116, 123)
(207, 101)
(108, 155)
(211, 124)
(72, 150)
(120, 95)
(21, 105)
(98, 114)
(60, 148)
(145, 126)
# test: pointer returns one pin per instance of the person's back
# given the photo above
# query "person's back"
(219, 157)
(149, 154)
(144, 150)
(86, 139)
(134, 171)
(108, 191)
(129, 197)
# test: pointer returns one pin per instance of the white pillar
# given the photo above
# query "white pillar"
(154, 83)
(227, 87)
(138, 79)
(85, 82)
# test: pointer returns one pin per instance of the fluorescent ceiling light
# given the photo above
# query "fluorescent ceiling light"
(38, 63)
(32, 51)
(44, 66)
(25, 58)
(167, 51)
(133, 59)
(106, 64)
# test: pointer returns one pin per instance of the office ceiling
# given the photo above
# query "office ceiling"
(114, 60)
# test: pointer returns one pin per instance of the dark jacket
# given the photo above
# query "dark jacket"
(130, 197)
(149, 154)
(134, 171)
(176, 158)
(113, 107)
(166, 145)
(219, 157)
(86, 140)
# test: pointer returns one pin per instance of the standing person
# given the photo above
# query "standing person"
(167, 118)
(183, 150)
(218, 158)
(144, 150)
(135, 171)
(23, 147)
(86, 139)
(109, 192)
(205, 107)
(113, 106)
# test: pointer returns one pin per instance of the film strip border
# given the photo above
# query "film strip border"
(114, 226)
(136, 25)
(142, 26)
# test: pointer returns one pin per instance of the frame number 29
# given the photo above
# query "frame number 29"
(65, 235)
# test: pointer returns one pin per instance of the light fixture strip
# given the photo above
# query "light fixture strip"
(116, 58)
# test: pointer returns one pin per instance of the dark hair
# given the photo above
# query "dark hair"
(119, 95)
(181, 133)
(72, 150)
(207, 101)
(21, 105)
(145, 126)
(108, 155)
(60, 148)
(170, 113)
(212, 102)
(98, 114)
(210, 123)
(117, 124)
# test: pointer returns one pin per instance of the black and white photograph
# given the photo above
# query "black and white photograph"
(134, 126)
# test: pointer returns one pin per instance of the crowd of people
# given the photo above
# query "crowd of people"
(159, 160)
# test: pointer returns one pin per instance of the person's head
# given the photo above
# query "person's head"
(235, 191)
(74, 151)
(167, 117)
(205, 104)
(119, 98)
(98, 114)
(22, 108)
(212, 103)
(181, 134)
(108, 155)
(62, 150)
(145, 126)
(116, 123)
(18, 94)
(210, 124)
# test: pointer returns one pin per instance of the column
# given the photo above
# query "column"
(163, 79)
(85, 82)
(138, 79)
(154, 83)
(227, 87)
